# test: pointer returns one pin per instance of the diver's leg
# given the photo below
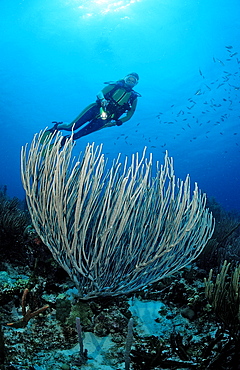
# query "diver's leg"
(92, 126)
(88, 114)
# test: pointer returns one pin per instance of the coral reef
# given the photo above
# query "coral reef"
(225, 242)
(176, 324)
(13, 222)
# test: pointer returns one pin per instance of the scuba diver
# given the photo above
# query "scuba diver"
(112, 102)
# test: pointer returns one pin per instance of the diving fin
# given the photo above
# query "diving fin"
(48, 133)
(46, 136)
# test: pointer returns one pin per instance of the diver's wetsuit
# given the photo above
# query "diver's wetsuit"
(122, 99)
(89, 113)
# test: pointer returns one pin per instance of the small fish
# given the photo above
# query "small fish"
(232, 55)
(221, 62)
(198, 92)
(229, 47)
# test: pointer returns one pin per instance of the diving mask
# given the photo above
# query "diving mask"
(130, 80)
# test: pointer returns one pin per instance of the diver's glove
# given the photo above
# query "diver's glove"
(104, 102)
(119, 122)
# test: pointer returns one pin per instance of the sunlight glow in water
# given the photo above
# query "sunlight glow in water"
(96, 7)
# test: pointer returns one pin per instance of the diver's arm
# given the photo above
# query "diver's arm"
(130, 112)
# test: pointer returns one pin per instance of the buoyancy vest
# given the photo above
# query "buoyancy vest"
(120, 98)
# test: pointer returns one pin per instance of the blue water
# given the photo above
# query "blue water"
(56, 54)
